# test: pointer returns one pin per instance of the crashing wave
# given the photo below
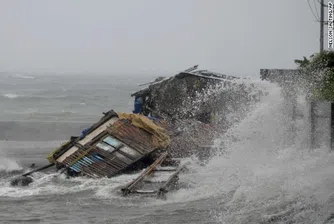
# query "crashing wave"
(9, 165)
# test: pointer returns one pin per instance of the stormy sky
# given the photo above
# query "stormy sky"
(136, 37)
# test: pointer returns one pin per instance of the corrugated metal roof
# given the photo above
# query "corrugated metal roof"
(199, 73)
(210, 75)
(134, 137)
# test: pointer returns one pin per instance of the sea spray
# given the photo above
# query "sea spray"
(8, 165)
(255, 176)
(259, 178)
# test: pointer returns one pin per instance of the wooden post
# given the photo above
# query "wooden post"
(38, 169)
(332, 125)
(322, 18)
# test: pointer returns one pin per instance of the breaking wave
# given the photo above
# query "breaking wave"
(58, 184)
(9, 165)
(257, 178)
(21, 76)
(33, 97)
(11, 95)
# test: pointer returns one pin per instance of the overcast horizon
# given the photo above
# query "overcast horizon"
(155, 37)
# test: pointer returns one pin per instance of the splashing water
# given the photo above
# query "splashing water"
(257, 175)
(8, 165)
(259, 178)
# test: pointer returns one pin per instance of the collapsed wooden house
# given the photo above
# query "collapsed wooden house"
(162, 124)
(110, 146)
(164, 129)
(121, 142)
(200, 103)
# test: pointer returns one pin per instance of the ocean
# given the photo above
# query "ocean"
(257, 179)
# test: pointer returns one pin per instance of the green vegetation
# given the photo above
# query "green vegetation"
(318, 76)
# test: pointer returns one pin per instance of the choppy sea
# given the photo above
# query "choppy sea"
(256, 180)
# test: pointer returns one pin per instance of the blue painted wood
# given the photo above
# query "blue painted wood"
(75, 169)
(88, 160)
(94, 159)
(77, 166)
(98, 157)
(82, 163)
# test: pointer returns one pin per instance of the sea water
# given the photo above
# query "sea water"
(254, 178)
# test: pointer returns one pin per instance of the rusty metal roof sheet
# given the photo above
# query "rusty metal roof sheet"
(134, 137)
(189, 72)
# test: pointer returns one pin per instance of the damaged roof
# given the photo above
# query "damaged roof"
(111, 145)
(188, 72)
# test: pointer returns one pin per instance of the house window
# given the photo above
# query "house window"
(129, 151)
(113, 142)
(123, 158)
(105, 147)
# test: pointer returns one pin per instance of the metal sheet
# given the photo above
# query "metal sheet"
(123, 158)
(97, 131)
(134, 137)
(68, 153)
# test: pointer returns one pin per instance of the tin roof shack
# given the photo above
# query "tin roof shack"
(198, 103)
(168, 96)
(114, 144)
(202, 95)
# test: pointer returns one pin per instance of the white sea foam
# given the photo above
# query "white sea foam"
(56, 183)
(7, 165)
(257, 178)
(68, 111)
(22, 76)
(11, 95)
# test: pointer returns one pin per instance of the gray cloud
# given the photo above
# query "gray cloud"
(154, 36)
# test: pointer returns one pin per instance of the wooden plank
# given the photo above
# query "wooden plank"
(128, 189)
(165, 188)
(332, 126)
(67, 153)
(97, 131)
(145, 192)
